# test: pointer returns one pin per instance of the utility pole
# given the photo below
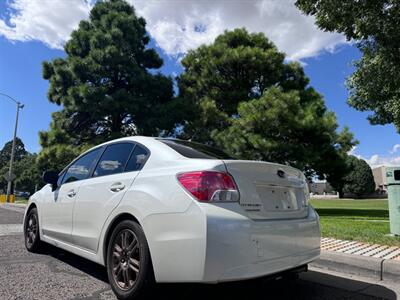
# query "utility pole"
(10, 174)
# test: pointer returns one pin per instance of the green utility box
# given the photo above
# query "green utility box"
(393, 181)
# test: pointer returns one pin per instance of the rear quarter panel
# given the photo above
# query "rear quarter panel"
(174, 224)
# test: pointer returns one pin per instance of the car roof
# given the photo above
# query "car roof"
(153, 144)
(135, 138)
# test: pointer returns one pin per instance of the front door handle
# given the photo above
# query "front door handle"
(71, 193)
(116, 187)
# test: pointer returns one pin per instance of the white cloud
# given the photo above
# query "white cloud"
(352, 151)
(178, 25)
(380, 160)
(395, 149)
(377, 160)
(48, 21)
(175, 24)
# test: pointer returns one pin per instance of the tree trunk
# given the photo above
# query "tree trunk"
(116, 126)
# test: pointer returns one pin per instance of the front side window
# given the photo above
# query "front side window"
(80, 168)
(113, 159)
(137, 159)
(60, 178)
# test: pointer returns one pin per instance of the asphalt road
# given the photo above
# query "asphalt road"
(56, 274)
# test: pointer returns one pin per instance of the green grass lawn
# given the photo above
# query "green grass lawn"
(359, 220)
(20, 200)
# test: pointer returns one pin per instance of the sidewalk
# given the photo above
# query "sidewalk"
(361, 259)
(358, 248)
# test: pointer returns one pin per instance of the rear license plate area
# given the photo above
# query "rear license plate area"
(277, 199)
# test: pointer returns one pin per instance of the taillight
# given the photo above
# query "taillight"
(210, 186)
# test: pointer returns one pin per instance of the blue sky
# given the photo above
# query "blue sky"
(20, 77)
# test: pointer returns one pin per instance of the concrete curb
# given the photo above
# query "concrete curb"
(391, 270)
(376, 268)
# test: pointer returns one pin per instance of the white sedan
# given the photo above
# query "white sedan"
(175, 211)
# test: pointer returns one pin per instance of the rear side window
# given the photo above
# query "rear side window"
(137, 159)
(113, 159)
(195, 150)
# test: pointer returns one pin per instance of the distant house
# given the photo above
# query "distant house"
(320, 187)
(380, 179)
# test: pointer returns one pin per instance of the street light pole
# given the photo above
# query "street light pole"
(12, 153)
(10, 179)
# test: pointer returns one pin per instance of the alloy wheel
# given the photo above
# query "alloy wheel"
(125, 259)
(31, 230)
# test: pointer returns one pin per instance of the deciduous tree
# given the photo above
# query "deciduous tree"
(360, 180)
(374, 26)
(5, 152)
(28, 175)
(24, 167)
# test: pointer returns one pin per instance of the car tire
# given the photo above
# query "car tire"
(31, 231)
(129, 267)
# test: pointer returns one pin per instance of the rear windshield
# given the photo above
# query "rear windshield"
(195, 150)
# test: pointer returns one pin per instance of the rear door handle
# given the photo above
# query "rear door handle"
(71, 193)
(116, 187)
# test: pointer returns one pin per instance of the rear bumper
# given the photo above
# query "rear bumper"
(214, 243)
(239, 248)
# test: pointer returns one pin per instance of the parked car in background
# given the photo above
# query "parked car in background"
(166, 210)
(22, 194)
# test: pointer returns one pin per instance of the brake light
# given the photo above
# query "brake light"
(210, 186)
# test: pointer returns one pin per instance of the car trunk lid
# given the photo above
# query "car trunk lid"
(268, 190)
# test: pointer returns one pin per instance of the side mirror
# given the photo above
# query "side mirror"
(51, 177)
